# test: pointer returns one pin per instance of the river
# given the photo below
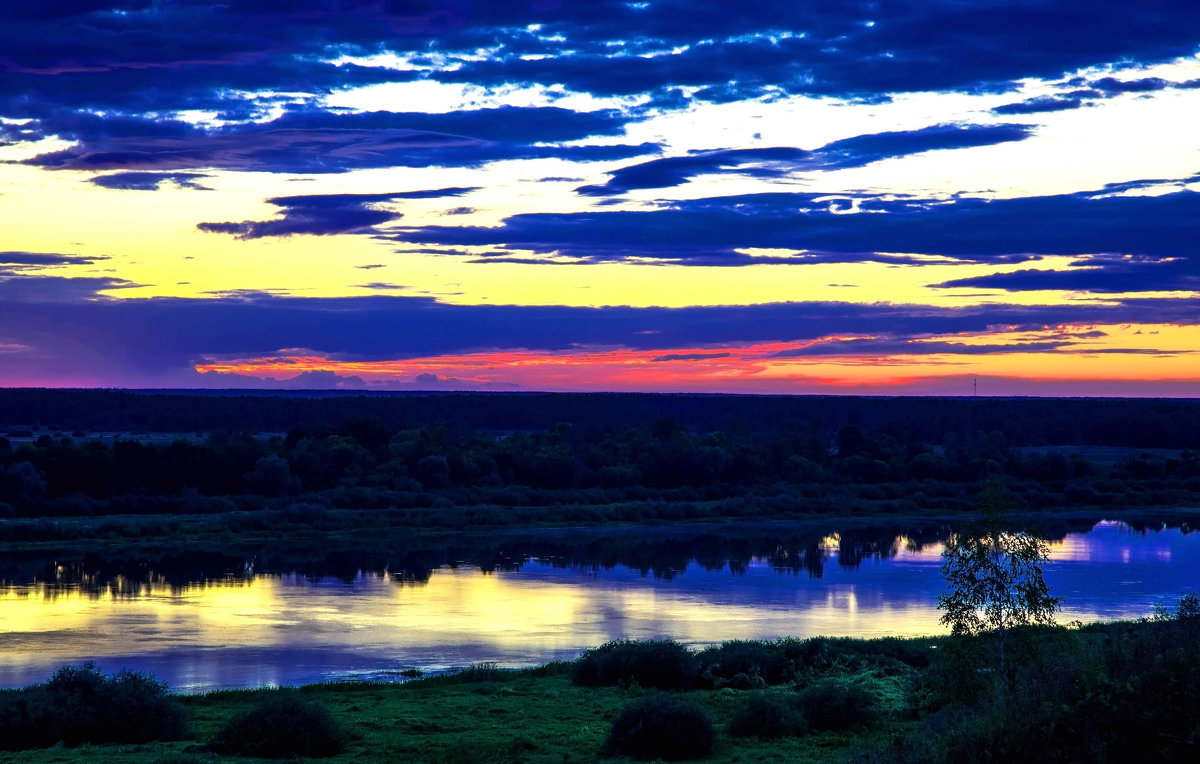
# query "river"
(516, 605)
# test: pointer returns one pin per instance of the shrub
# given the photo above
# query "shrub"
(836, 704)
(768, 717)
(660, 727)
(80, 704)
(1081, 695)
(662, 664)
(25, 720)
(722, 665)
(281, 725)
(955, 678)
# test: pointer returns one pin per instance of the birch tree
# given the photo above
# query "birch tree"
(994, 576)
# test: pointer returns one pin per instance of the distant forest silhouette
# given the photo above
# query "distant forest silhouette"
(1128, 422)
(470, 460)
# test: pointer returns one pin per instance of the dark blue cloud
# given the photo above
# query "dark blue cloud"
(1094, 90)
(308, 142)
(674, 171)
(846, 48)
(325, 214)
(44, 259)
(12, 132)
(862, 150)
(1103, 274)
(134, 56)
(689, 357)
(319, 221)
(150, 181)
(18, 290)
(709, 231)
(1040, 105)
(236, 93)
(778, 161)
(509, 124)
(1112, 85)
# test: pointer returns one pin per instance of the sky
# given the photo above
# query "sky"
(925, 197)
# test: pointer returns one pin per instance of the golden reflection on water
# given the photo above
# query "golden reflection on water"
(523, 616)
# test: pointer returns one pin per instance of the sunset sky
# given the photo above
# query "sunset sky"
(804, 196)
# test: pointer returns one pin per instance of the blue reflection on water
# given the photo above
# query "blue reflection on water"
(1116, 572)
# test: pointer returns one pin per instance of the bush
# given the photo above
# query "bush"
(660, 727)
(724, 665)
(281, 725)
(1081, 695)
(768, 717)
(79, 704)
(662, 664)
(836, 704)
(25, 720)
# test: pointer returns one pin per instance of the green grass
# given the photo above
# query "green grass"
(524, 716)
(1070, 694)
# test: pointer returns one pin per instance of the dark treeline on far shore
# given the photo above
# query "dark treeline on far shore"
(663, 552)
(1125, 422)
(473, 460)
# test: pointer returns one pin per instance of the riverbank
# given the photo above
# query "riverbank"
(1102, 691)
(541, 715)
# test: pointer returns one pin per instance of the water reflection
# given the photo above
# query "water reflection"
(660, 553)
(523, 601)
(1117, 571)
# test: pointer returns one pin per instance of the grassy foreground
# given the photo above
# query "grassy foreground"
(518, 716)
(1103, 692)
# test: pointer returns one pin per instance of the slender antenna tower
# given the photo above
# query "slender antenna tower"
(975, 387)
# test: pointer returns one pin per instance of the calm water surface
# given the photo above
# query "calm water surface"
(259, 629)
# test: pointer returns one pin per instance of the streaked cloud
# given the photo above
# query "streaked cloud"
(323, 215)
(780, 161)
(150, 181)
(849, 228)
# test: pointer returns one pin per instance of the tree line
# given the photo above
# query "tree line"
(363, 462)
(1131, 423)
